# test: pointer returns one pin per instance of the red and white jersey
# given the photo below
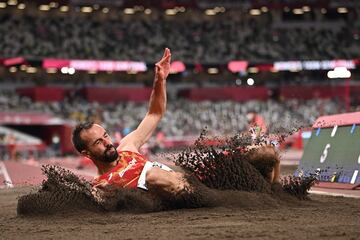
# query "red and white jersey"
(125, 174)
(130, 172)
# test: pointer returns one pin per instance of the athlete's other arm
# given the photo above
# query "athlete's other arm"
(157, 107)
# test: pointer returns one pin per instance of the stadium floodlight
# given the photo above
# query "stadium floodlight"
(295, 70)
(219, 9)
(12, 2)
(44, 7)
(31, 70)
(21, 6)
(51, 70)
(105, 10)
(298, 11)
(342, 10)
(64, 8)
(339, 72)
(170, 11)
(55, 139)
(71, 71)
(64, 70)
(182, 9)
(86, 9)
(147, 11)
(264, 9)
(129, 11)
(210, 12)
(250, 81)
(13, 69)
(306, 8)
(53, 4)
(213, 71)
(23, 67)
(255, 12)
(253, 70)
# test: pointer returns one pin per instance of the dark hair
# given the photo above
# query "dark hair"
(78, 142)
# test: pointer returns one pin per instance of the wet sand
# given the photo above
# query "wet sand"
(321, 217)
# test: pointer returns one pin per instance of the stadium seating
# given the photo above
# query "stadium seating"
(183, 117)
(236, 36)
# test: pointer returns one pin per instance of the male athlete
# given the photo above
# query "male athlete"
(124, 166)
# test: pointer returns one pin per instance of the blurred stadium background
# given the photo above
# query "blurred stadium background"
(67, 61)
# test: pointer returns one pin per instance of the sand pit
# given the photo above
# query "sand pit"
(320, 217)
(239, 214)
(226, 207)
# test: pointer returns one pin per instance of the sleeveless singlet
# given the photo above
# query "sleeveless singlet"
(130, 172)
(125, 174)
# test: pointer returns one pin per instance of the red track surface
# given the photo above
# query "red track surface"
(29, 172)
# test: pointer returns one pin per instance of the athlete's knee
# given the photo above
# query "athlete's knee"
(263, 153)
(266, 160)
(166, 180)
(152, 177)
(158, 177)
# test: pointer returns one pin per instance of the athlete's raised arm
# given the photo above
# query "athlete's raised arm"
(157, 107)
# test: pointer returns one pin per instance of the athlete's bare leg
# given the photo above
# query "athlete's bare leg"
(158, 181)
(263, 155)
(167, 182)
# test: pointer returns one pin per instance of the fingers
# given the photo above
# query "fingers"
(164, 62)
(167, 58)
(165, 55)
(166, 52)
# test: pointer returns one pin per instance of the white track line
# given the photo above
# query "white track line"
(334, 194)
(7, 181)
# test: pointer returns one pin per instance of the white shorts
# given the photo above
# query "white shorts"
(148, 165)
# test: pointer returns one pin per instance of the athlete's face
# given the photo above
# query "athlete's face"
(99, 144)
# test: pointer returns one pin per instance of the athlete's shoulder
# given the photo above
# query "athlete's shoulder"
(127, 148)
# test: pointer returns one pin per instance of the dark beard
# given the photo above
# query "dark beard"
(108, 156)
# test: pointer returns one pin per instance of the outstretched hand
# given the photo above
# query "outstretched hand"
(162, 68)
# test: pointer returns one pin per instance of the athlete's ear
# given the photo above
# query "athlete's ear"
(85, 153)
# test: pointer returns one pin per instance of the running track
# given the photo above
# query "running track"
(28, 173)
